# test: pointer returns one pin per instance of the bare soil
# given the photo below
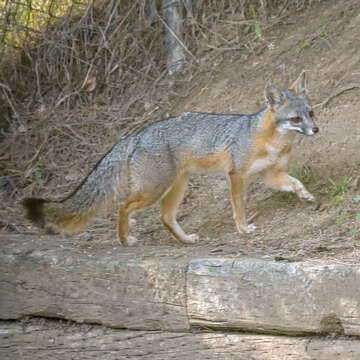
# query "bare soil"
(324, 41)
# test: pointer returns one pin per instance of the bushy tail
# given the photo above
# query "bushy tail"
(101, 187)
(57, 216)
(35, 210)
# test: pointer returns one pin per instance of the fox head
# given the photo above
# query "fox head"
(293, 111)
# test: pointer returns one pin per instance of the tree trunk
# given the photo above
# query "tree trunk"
(172, 11)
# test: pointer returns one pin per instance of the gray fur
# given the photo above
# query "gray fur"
(152, 155)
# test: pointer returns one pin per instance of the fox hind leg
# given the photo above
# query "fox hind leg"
(169, 205)
(133, 203)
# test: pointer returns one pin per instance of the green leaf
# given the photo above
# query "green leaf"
(331, 181)
(356, 199)
(258, 30)
(244, 57)
(3, 182)
(342, 218)
(252, 10)
(353, 231)
(38, 174)
(340, 199)
(321, 31)
(247, 29)
(358, 217)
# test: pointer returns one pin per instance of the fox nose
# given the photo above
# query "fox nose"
(315, 130)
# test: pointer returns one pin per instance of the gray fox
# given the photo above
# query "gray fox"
(155, 164)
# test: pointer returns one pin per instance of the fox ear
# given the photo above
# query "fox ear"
(274, 97)
(299, 86)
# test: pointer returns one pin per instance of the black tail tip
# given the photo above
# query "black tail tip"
(35, 210)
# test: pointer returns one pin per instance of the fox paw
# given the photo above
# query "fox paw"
(308, 197)
(315, 206)
(128, 241)
(246, 229)
(190, 239)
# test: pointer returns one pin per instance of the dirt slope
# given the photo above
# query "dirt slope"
(323, 41)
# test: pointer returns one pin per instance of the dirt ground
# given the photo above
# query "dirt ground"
(325, 42)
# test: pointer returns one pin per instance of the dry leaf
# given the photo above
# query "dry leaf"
(22, 128)
(90, 84)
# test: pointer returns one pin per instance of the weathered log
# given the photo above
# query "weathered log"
(61, 341)
(270, 296)
(51, 278)
(157, 288)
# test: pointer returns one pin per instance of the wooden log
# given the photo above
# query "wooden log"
(289, 298)
(65, 341)
(122, 288)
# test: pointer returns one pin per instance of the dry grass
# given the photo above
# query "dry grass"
(99, 76)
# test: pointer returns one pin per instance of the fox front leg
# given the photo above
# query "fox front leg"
(279, 179)
(238, 194)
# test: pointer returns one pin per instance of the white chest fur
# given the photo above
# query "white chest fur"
(274, 155)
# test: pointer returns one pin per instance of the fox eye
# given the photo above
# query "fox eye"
(296, 120)
(311, 113)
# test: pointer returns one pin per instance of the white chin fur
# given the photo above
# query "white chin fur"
(284, 128)
(309, 132)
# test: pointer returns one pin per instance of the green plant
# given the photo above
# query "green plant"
(349, 216)
(3, 182)
(355, 229)
(356, 199)
(352, 231)
(302, 173)
(335, 188)
(340, 199)
(342, 218)
(32, 16)
(40, 172)
(358, 217)
(321, 31)
(302, 47)
(257, 28)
